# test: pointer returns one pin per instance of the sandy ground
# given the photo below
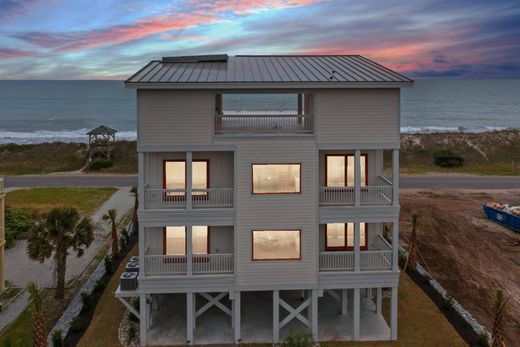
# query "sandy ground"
(468, 254)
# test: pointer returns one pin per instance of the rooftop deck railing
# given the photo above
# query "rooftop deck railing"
(176, 198)
(257, 123)
(202, 264)
(344, 261)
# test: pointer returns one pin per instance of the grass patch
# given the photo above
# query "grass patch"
(86, 200)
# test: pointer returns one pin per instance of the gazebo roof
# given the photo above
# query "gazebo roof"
(102, 130)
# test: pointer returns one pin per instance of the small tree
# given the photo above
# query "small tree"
(61, 230)
(39, 335)
(499, 303)
(135, 223)
(412, 247)
(111, 217)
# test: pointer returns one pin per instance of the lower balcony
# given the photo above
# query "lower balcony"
(379, 195)
(344, 261)
(202, 264)
(176, 198)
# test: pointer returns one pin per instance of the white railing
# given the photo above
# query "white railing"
(331, 196)
(376, 260)
(263, 124)
(382, 244)
(376, 195)
(176, 198)
(177, 264)
(383, 181)
(336, 261)
(165, 264)
(213, 197)
(212, 263)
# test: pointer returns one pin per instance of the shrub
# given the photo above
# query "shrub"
(86, 300)
(448, 303)
(482, 339)
(124, 233)
(447, 158)
(298, 339)
(77, 325)
(425, 279)
(108, 264)
(132, 333)
(122, 244)
(57, 340)
(18, 222)
(100, 164)
(100, 284)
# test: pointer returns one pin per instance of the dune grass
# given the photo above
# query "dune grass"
(86, 200)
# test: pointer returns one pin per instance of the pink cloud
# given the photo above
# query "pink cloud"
(242, 7)
(9, 53)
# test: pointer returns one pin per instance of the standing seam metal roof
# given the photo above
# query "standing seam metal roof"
(266, 69)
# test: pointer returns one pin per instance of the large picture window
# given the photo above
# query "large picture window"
(339, 170)
(175, 177)
(175, 240)
(276, 244)
(340, 236)
(276, 178)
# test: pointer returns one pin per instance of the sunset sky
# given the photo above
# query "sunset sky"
(102, 39)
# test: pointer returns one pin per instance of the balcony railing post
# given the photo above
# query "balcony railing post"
(395, 245)
(357, 256)
(189, 179)
(189, 251)
(357, 178)
(395, 177)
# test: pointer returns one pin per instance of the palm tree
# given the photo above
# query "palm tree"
(111, 216)
(39, 335)
(412, 248)
(499, 303)
(61, 230)
(135, 223)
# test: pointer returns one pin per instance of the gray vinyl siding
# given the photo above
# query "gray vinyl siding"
(174, 117)
(277, 211)
(365, 116)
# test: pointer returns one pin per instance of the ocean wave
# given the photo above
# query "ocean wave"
(42, 136)
(439, 129)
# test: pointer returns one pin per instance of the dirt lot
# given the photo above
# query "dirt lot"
(469, 255)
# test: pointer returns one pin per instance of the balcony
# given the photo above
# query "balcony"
(263, 123)
(379, 195)
(176, 198)
(202, 264)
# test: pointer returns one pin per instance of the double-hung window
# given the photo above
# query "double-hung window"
(175, 178)
(339, 170)
(340, 236)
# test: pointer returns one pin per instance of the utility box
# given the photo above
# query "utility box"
(129, 281)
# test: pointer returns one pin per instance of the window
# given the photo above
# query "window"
(339, 170)
(276, 178)
(276, 244)
(340, 236)
(175, 177)
(175, 240)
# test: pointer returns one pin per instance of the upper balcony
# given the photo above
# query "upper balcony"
(263, 114)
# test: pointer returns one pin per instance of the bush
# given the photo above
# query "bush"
(108, 264)
(132, 333)
(100, 284)
(124, 233)
(77, 325)
(448, 303)
(482, 339)
(18, 222)
(122, 244)
(425, 279)
(57, 340)
(298, 339)
(86, 300)
(447, 158)
(100, 164)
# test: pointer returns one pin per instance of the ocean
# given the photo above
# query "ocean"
(46, 111)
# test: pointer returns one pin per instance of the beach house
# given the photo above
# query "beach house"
(268, 198)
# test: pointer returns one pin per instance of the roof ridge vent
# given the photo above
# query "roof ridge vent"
(221, 58)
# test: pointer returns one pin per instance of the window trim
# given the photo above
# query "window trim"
(346, 247)
(277, 193)
(208, 249)
(183, 196)
(346, 155)
(275, 259)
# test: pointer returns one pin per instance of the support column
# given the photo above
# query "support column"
(143, 320)
(189, 318)
(314, 318)
(357, 313)
(189, 251)
(194, 311)
(276, 316)
(236, 315)
(393, 314)
(357, 178)
(357, 250)
(379, 300)
(395, 245)
(142, 251)
(189, 178)
(395, 177)
(344, 301)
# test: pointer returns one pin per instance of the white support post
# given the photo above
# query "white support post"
(149, 307)
(395, 177)
(276, 316)
(314, 315)
(189, 179)
(189, 251)
(143, 320)
(357, 250)
(379, 301)
(142, 251)
(189, 318)
(141, 179)
(194, 311)
(344, 301)
(395, 245)
(393, 315)
(357, 313)
(357, 178)
(236, 315)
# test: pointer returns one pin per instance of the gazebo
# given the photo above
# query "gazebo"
(101, 141)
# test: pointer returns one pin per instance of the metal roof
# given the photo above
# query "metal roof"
(319, 70)
(102, 130)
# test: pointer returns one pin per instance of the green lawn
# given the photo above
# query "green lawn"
(86, 200)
